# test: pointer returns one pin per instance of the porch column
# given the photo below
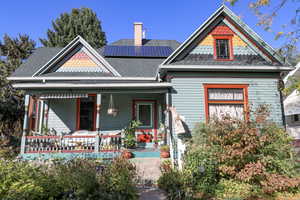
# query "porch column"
(41, 115)
(98, 109)
(46, 113)
(168, 116)
(25, 124)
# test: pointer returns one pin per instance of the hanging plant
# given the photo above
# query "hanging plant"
(112, 110)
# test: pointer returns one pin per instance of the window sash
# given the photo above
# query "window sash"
(138, 114)
(222, 49)
(226, 94)
(221, 110)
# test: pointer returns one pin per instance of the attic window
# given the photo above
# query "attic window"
(223, 48)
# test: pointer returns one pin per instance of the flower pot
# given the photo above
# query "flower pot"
(127, 154)
(165, 154)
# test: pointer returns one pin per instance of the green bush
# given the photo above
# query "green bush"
(233, 190)
(172, 182)
(77, 179)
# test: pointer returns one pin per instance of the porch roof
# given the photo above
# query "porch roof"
(116, 85)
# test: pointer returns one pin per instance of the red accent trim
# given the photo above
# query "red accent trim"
(251, 40)
(244, 102)
(43, 137)
(226, 37)
(72, 151)
(222, 30)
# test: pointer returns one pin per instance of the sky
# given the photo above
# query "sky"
(162, 19)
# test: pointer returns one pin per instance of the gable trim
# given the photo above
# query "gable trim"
(69, 48)
(267, 49)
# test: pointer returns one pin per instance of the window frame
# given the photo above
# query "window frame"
(78, 113)
(230, 47)
(244, 102)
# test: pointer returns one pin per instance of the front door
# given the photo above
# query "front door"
(145, 111)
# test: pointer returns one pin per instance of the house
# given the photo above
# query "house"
(292, 107)
(78, 96)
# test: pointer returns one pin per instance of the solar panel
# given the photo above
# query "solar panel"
(137, 51)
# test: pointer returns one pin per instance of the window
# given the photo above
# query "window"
(223, 48)
(145, 114)
(224, 100)
(34, 114)
(86, 113)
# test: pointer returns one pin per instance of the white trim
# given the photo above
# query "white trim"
(229, 68)
(99, 86)
(69, 47)
(79, 78)
(151, 112)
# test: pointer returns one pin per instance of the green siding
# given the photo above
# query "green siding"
(188, 95)
(62, 112)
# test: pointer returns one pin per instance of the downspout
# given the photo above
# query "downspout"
(280, 88)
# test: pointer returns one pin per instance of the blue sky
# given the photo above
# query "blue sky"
(163, 19)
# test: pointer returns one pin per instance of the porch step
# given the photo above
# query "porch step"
(148, 169)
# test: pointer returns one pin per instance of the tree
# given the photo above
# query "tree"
(13, 51)
(83, 22)
(266, 12)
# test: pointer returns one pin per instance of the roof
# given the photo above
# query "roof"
(137, 51)
(126, 67)
(148, 42)
(224, 16)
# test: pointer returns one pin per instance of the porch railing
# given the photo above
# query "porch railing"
(72, 144)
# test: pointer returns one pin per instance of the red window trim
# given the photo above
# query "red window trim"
(78, 112)
(155, 125)
(226, 86)
(223, 37)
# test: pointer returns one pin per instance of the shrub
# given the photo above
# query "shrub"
(254, 153)
(233, 190)
(77, 179)
(172, 182)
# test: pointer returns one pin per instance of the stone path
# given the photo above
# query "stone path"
(151, 194)
(148, 168)
(149, 172)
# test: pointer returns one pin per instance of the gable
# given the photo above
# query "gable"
(245, 47)
(243, 51)
(81, 61)
(77, 57)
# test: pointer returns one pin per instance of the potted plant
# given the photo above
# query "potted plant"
(165, 151)
(129, 131)
(127, 154)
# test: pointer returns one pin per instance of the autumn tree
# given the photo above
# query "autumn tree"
(83, 22)
(267, 11)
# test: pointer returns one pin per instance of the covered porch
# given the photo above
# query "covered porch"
(93, 122)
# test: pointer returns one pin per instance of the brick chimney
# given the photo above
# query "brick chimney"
(138, 33)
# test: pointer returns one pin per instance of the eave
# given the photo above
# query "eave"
(85, 85)
(225, 68)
